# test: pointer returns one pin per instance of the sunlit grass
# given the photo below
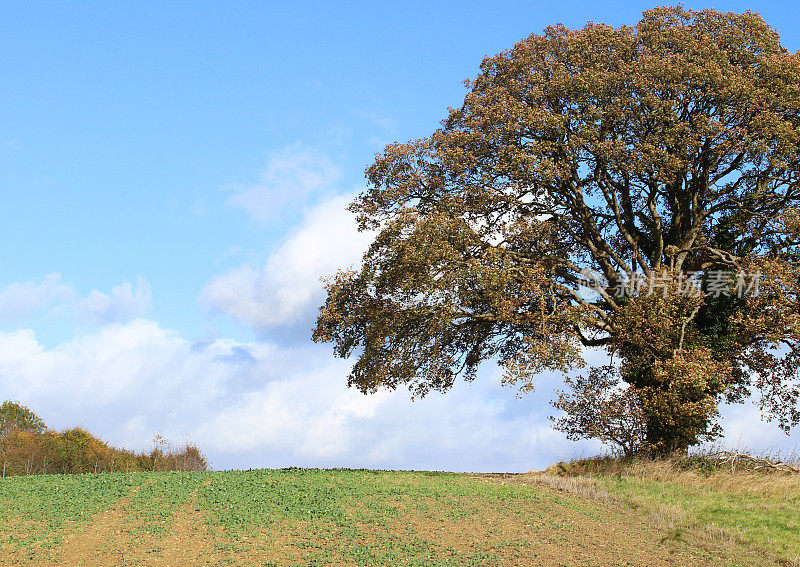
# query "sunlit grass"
(755, 508)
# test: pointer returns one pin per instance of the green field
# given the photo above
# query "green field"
(311, 517)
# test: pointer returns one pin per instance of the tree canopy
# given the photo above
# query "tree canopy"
(613, 188)
(16, 417)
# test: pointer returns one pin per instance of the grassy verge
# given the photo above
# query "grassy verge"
(746, 506)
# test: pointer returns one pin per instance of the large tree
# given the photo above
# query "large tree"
(627, 158)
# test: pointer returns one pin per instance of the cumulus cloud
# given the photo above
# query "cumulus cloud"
(122, 373)
(288, 287)
(259, 405)
(292, 177)
(23, 299)
(123, 303)
(745, 429)
(53, 296)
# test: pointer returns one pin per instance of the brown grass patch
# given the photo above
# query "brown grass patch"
(665, 470)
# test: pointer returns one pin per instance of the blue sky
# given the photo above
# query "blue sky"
(173, 179)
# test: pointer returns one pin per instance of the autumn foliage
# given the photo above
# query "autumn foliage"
(28, 447)
(599, 406)
(659, 163)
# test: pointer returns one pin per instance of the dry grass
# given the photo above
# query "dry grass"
(663, 516)
(583, 486)
(743, 506)
(670, 517)
(771, 484)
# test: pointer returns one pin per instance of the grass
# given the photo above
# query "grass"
(753, 508)
(307, 517)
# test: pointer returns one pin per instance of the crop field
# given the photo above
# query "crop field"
(308, 517)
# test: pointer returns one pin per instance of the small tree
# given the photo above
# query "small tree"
(600, 407)
(14, 417)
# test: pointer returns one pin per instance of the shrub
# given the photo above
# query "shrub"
(598, 407)
(28, 447)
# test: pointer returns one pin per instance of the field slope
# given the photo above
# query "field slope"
(310, 517)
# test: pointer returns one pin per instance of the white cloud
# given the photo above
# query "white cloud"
(292, 177)
(288, 286)
(17, 349)
(122, 304)
(23, 299)
(54, 297)
(744, 429)
(252, 405)
(117, 374)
